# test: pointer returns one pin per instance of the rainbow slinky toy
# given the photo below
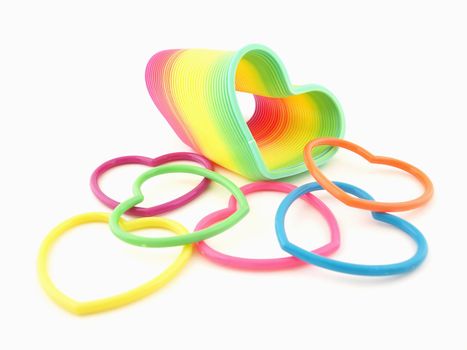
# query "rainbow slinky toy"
(194, 89)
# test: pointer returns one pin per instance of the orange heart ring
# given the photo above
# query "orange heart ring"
(363, 203)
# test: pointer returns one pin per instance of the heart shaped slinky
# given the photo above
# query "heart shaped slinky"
(195, 90)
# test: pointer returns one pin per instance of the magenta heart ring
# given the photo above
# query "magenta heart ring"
(151, 162)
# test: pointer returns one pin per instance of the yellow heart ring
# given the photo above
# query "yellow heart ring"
(114, 301)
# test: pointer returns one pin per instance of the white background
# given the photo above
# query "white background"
(72, 95)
